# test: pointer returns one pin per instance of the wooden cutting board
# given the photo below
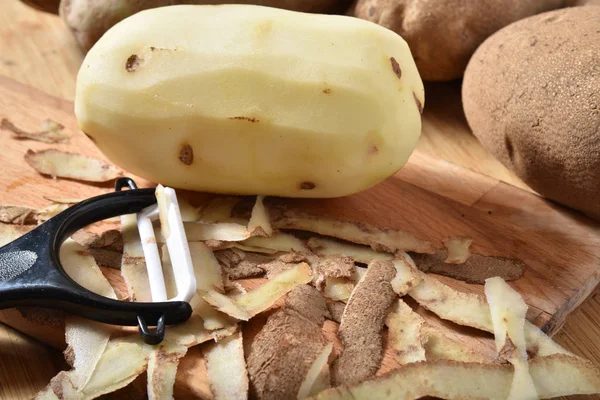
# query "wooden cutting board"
(429, 197)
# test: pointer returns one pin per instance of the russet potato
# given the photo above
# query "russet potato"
(444, 34)
(252, 100)
(531, 95)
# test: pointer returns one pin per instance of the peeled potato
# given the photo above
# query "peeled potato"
(252, 100)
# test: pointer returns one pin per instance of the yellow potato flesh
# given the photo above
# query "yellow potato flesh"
(268, 101)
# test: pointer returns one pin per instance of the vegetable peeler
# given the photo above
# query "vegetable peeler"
(31, 273)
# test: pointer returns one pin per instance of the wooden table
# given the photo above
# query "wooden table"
(38, 50)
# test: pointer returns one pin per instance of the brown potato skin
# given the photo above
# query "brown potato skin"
(49, 6)
(573, 3)
(443, 34)
(89, 19)
(531, 96)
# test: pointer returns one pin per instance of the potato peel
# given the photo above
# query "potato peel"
(253, 249)
(50, 211)
(287, 347)
(48, 394)
(19, 215)
(226, 367)
(260, 224)
(82, 268)
(218, 209)
(61, 164)
(362, 323)
(279, 242)
(457, 249)
(188, 212)
(441, 347)
(336, 310)
(386, 240)
(466, 309)
(334, 267)
(508, 312)
(163, 361)
(266, 295)
(107, 248)
(539, 344)
(364, 254)
(111, 239)
(162, 369)
(282, 353)
(239, 264)
(308, 302)
(469, 309)
(192, 332)
(61, 386)
(133, 263)
(226, 305)
(553, 376)
(86, 341)
(63, 200)
(476, 269)
(206, 267)
(212, 318)
(163, 212)
(338, 289)
(317, 378)
(216, 245)
(107, 258)
(522, 386)
(208, 278)
(276, 267)
(405, 338)
(246, 305)
(407, 276)
(227, 231)
(50, 132)
(123, 360)
(127, 357)
(9, 233)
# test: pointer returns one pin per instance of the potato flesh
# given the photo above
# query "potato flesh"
(270, 101)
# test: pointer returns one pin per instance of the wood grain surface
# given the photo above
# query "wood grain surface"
(36, 49)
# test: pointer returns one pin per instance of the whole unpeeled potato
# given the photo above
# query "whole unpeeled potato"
(89, 19)
(443, 34)
(531, 94)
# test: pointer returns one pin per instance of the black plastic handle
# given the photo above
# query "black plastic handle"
(31, 273)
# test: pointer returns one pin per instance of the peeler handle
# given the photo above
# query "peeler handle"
(31, 273)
